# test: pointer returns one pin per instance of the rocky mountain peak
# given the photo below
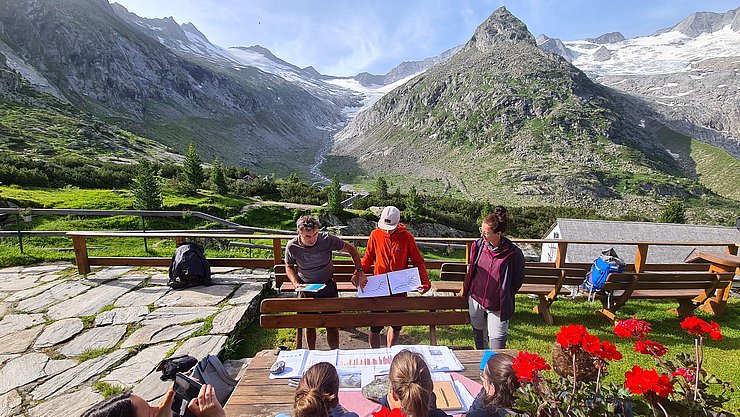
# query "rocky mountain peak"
(190, 28)
(501, 26)
(706, 22)
(611, 37)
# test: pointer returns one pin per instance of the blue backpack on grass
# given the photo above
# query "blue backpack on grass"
(609, 262)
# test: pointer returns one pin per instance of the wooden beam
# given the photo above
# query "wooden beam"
(561, 253)
(277, 250)
(641, 257)
(81, 258)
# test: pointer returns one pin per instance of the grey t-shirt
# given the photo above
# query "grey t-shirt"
(314, 262)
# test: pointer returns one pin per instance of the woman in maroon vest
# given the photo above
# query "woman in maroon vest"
(495, 275)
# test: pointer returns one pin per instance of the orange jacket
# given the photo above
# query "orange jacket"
(392, 252)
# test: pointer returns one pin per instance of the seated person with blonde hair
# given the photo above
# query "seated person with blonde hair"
(317, 394)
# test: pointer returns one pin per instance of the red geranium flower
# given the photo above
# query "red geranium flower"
(696, 326)
(591, 343)
(715, 332)
(632, 328)
(687, 373)
(571, 335)
(385, 412)
(647, 347)
(608, 351)
(528, 365)
(643, 381)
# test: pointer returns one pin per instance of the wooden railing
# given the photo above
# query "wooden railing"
(84, 261)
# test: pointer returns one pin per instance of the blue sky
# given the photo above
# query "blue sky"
(345, 37)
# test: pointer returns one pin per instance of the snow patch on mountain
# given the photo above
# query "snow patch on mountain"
(665, 53)
(370, 93)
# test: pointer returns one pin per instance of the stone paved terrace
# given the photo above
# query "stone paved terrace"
(61, 333)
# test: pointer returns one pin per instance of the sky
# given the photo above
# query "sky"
(346, 37)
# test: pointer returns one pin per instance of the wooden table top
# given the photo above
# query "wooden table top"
(717, 257)
(256, 395)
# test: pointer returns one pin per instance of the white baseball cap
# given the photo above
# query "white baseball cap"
(389, 218)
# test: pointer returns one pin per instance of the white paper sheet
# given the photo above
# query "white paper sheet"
(294, 363)
(377, 286)
(405, 280)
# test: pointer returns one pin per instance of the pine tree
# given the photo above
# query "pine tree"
(218, 180)
(381, 188)
(334, 196)
(675, 212)
(193, 170)
(147, 188)
(413, 205)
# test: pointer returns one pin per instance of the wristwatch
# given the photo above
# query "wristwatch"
(359, 269)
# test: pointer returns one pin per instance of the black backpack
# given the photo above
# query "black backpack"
(189, 267)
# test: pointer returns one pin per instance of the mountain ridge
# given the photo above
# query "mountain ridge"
(501, 111)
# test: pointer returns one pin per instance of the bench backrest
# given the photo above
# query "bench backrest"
(532, 274)
(667, 281)
(342, 273)
(362, 312)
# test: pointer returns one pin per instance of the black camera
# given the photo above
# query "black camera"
(186, 389)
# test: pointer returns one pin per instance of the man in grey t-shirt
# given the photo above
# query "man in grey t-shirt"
(308, 260)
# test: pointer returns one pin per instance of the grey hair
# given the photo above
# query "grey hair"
(307, 223)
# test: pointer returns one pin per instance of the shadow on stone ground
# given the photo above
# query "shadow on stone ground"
(64, 335)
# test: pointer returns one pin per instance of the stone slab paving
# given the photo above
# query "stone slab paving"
(9, 402)
(29, 292)
(201, 346)
(246, 293)
(15, 322)
(72, 404)
(58, 332)
(91, 301)
(135, 369)
(60, 292)
(141, 297)
(176, 315)
(227, 319)
(121, 316)
(151, 387)
(156, 333)
(73, 377)
(29, 368)
(95, 338)
(196, 296)
(49, 311)
(19, 342)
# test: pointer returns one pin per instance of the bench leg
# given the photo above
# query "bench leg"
(433, 335)
(609, 315)
(544, 308)
(299, 338)
(685, 308)
(714, 307)
(83, 262)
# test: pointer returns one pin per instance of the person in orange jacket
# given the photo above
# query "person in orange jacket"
(390, 248)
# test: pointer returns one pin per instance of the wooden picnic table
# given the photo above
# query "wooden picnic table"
(719, 262)
(256, 395)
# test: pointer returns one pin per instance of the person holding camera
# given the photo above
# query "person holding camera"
(131, 405)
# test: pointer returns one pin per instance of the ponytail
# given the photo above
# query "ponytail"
(501, 375)
(317, 392)
(411, 381)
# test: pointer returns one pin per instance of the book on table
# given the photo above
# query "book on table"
(394, 282)
(446, 394)
(311, 287)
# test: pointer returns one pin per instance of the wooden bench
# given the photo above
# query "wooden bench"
(343, 271)
(547, 283)
(690, 289)
(363, 312)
